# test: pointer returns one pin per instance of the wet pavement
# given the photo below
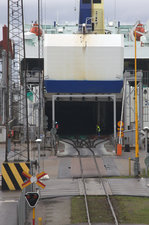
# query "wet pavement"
(64, 173)
(8, 207)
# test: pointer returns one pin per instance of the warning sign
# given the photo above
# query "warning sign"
(120, 129)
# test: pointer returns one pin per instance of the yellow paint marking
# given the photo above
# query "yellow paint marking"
(7, 179)
(40, 174)
(24, 186)
(40, 185)
(16, 174)
(24, 167)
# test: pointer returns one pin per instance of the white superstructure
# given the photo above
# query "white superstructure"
(83, 57)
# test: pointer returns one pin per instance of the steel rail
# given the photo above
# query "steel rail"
(85, 193)
(106, 193)
(73, 142)
(100, 181)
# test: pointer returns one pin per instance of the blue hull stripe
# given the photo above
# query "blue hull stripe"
(71, 86)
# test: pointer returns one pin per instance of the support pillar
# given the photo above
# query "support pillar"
(114, 119)
(53, 111)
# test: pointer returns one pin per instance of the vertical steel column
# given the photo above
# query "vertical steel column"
(141, 105)
(38, 28)
(4, 84)
(7, 90)
(125, 106)
(114, 119)
(98, 112)
(140, 111)
(25, 86)
(39, 75)
(39, 105)
(136, 164)
(136, 105)
(122, 110)
(38, 145)
(4, 109)
(42, 101)
(53, 111)
(130, 105)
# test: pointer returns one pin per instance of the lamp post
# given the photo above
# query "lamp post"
(136, 163)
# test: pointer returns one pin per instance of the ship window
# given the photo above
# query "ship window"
(86, 1)
(96, 1)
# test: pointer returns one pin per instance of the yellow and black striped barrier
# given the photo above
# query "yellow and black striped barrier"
(12, 178)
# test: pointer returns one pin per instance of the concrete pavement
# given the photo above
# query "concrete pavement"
(114, 186)
(64, 174)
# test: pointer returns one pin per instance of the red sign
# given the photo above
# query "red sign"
(120, 129)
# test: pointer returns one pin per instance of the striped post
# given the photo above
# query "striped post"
(33, 216)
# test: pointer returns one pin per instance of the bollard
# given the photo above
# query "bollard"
(40, 221)
(119, 149)
(129, 166)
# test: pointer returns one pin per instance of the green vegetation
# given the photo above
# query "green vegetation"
(78, 212)
(97, 206)
(99, 210)
(129, 210)
(133, 210)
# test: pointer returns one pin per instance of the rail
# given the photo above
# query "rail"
(85, 192)
(106, 193)
(76, 143)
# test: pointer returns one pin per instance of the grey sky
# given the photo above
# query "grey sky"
(127, 11)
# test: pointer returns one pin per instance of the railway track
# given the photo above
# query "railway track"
(77, 144)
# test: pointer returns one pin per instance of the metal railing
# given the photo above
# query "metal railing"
(146, 78)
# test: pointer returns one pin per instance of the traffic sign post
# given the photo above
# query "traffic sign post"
(32, 198)
(33, 216)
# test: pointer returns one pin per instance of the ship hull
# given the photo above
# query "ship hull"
(77, 86)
